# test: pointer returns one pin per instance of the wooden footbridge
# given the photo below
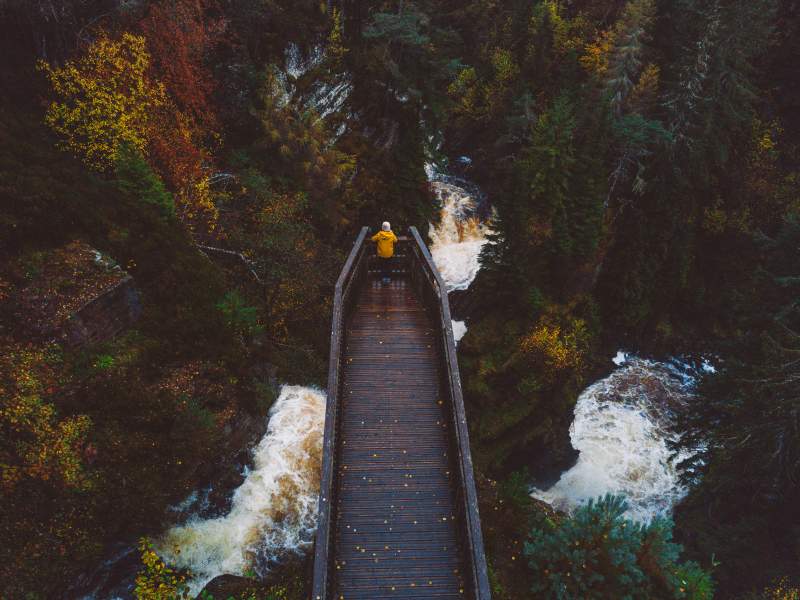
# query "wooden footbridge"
(398, 511)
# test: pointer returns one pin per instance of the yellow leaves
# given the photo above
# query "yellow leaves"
(104, 99)
(716, 219)
(156, 581)
(195, 206)
(781, 590)
(766, 143)
(556, 347)
(765, 136)
(645, 92)
(336, 48)
(568, 34)
(596, 54)
(506, 70)
(44, 447)
(465, 92)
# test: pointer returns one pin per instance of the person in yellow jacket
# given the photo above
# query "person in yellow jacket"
(386, 240)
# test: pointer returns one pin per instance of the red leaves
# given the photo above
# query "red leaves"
(175, 151)
(181, 34)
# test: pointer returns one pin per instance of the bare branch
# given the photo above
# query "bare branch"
(248, 263)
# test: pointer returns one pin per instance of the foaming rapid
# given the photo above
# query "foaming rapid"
(273, 512)
(461, 234)
(621, 429)
(459, 330)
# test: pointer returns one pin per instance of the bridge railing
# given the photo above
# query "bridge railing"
(431, 289)
(354, 270)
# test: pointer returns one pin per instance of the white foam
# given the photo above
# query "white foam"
(621, 429)
(707, 366)
(460, 236)
(459, 330)
(296, 64)
(274, 511)
(620, 358)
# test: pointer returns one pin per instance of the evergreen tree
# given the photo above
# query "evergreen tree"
(599, 554)
(134, 176)
(744, 434)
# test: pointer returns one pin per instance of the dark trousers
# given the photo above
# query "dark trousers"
(385, 266)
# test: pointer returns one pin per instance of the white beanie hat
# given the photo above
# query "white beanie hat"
(386, 226)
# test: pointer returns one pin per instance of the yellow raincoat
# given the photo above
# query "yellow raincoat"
(386, 241)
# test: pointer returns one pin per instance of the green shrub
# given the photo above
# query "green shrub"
(241, 318)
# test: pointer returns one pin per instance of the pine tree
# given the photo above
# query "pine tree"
(598, 554)
(744, 433)
(625, 64)
(134, 176)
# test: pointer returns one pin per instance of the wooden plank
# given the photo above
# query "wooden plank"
(397, 518)
(395, 487)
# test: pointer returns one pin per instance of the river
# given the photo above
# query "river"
(461, 233)
(274, 511)
(622, 426)
(622, 423)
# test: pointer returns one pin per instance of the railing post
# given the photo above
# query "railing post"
(322, 542)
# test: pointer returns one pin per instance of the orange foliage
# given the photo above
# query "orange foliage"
(597, 53)
(181, 34)
(645, 93)
(173, 150)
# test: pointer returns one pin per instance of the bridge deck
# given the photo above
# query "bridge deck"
(395, 533)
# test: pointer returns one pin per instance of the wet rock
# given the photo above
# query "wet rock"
(230, 586)
(291, 576)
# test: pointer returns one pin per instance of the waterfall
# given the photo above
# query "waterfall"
(622, 427)
(459, 330)
(460, 236)
(273, 512)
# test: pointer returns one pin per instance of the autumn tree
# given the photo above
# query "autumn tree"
(104, 98)
(108, 99)
(37, 443)
(181, 36)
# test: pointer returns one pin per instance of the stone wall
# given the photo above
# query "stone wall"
(105, 316)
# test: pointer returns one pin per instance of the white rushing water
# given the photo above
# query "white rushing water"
(274, 511)
(621, 429)
(459, 330)
(460, 236)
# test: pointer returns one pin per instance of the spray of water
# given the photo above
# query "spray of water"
(621, 429)
(273, 512)
(459, 330)
(460, 236)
